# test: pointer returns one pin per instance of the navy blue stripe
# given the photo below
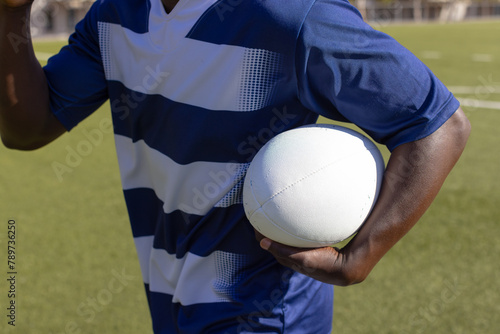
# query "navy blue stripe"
(145, 211)
(224, 229)
(186, 133)
(274, 25)
(264, 307)
(256, 308)
(210, 318)
(134, 15)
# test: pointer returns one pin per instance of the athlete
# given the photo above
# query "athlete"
(196, 87)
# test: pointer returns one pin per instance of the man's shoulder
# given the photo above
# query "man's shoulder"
(269, 25)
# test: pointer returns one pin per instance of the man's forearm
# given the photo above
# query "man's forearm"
(25, 118)
(414, 175)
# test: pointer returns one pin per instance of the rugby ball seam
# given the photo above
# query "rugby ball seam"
(325, 242)
(308, 176)
(277, 225)
(260, 182)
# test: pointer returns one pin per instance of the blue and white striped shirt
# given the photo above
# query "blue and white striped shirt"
(194, 94)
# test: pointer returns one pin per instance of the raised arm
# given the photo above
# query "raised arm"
(414, 175)
(26, 122)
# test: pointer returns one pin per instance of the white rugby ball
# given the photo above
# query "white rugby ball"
(313, 186)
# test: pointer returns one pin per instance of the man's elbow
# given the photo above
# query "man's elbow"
(29, 136)
(13, 144)
(460, 128)
(23, 143)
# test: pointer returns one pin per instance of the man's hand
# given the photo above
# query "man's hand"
(414, 174)
(325, 264)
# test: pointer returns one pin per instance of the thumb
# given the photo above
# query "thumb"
(265, 243)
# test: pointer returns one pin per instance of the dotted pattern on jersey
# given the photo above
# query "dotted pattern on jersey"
(235, 194)
(260, 71)
(104, 43)
(228, 268)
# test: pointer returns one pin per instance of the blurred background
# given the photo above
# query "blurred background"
(58, 17)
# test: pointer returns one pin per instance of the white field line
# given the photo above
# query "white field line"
(479, 90)
(482, 58)
(473, 103)
(475, 57)
(430, 54)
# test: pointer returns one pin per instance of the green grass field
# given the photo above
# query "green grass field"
(77, 271)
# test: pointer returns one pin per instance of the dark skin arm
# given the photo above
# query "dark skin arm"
(414, 175)
(26, 122)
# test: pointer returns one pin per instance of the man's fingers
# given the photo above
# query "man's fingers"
(305, 260)
(283, 254)
(287, 255)
(276, 248)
